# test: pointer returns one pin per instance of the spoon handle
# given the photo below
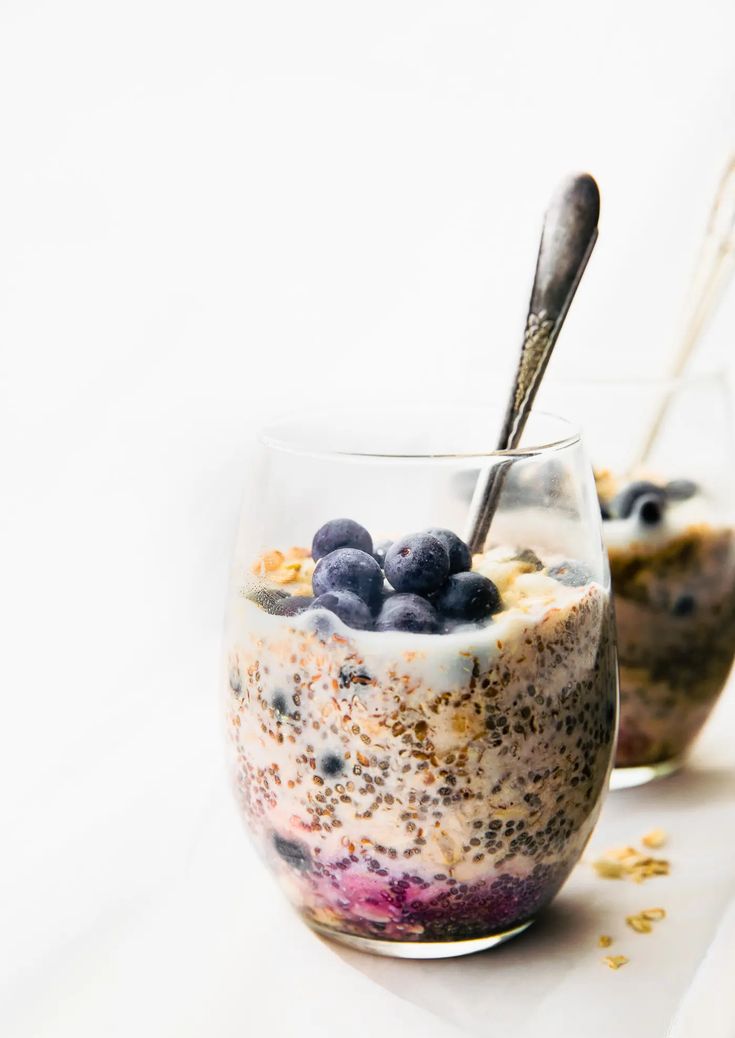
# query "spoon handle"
(568, 237)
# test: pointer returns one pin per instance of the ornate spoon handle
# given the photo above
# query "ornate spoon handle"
(567, 239)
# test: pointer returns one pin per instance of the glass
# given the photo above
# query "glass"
(420, 794)
(669, 533)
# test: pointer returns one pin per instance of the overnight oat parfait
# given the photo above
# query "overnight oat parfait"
(667, 512)
(672, 558)
(420, 737)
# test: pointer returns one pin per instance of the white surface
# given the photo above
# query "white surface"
(213, 211)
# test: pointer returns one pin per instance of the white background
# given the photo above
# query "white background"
(210, 212)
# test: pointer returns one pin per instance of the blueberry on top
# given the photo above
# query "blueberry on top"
(460, 558)
(340, 533)
(407, 612)
(348, 569)
(623, 503)
(418, 562)
(650, 509)
(468, 597)
(681, 489)
(571, 573)
(293, 605)
(347, 606)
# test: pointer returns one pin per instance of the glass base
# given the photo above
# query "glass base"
(419, 949)
(626, 778)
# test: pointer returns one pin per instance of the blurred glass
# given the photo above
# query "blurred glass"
(669, 533)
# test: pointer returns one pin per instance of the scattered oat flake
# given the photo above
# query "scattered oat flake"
(614, 962)
(608, 869)
(623, 853)
(628, 863)
(604, 941)
(654, 914)
(638, 923)
(655, 839)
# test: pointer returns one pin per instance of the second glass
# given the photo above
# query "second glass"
(668, 527)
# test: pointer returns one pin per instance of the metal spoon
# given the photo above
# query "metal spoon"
(567, 239)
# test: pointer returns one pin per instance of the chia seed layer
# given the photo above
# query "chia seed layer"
(425, 787)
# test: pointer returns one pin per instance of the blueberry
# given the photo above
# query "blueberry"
(296, 854)
(418, 562)
(349, 569)
(279, 703)
(408, 613)
(650, 509)
(347, 606)
(468, 597)
(684, 605)
(460, 558)
(623, 503)
(605, 511)
(323, 624)
(293, 605)
(340, 533)
(681, 489)
(571, 573)
(331, 764)
(381, 551)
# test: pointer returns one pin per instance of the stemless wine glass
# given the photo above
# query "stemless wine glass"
(422, 767)
(668, 527)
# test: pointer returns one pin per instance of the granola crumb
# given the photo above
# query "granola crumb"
(638, 923)
(655, 839)
(604, 941)
(608, 869)
(267, 563)
(614, 962)
(628, 863)
(654, 914)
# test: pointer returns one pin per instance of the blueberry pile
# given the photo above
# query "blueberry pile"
(646, 501)
(421, 583)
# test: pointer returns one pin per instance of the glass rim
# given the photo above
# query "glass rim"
(269, 436)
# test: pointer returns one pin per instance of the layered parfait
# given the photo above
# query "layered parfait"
(672, 559)
(420, 738)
